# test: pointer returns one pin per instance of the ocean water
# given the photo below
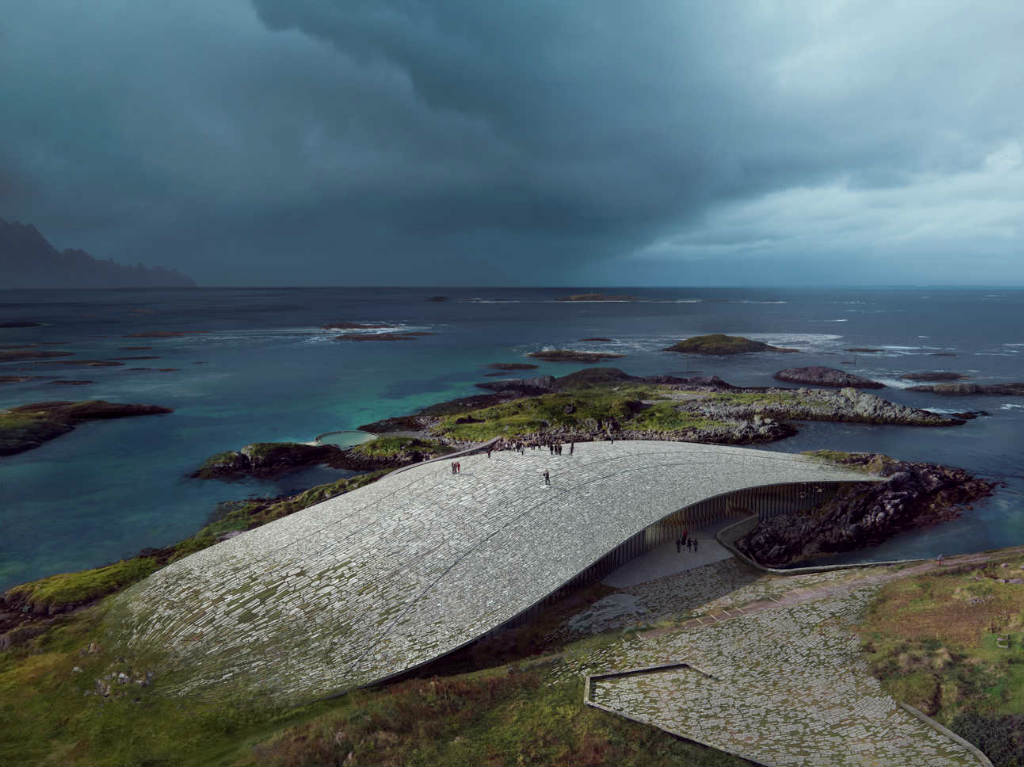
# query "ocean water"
(256, 366)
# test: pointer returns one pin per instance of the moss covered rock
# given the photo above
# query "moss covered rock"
(720, 343)
(29, 426)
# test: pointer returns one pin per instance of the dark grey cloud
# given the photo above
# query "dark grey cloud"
(579, 141)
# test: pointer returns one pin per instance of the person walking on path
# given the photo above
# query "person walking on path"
(679, 548)
(695, 544)
(453, 467)
(689, 544)
(547, 477)
(572, 446)
(458, 467)
(685, 534)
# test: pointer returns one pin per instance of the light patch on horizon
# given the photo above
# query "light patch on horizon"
(980, 210)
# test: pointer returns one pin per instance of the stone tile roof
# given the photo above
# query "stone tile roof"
(385, 578)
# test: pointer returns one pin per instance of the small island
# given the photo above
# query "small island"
(817, 375)
(933, 375)
(511, 366)
(572, 355)
(403, 336)
(722, 344)
(29, 426)
(964, 389)
(354, 326)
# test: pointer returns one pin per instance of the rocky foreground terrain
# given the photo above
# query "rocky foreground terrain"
(916, 495)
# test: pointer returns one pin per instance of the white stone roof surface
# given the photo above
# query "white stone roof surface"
(406, 569)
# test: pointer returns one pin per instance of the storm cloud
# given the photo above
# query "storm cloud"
(572, 142)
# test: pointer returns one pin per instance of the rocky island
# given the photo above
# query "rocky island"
(965, 389)
(29, 426)
(722, 344)
(606, 402)
(822, 376)
(572, 355)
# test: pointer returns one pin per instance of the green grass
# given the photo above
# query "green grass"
(932, 641)
(59, 592)
(386, 447)
(586, 408)
(517, 712)
(754, 398)
(507, 715)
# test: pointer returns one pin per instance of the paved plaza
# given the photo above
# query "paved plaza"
(771, 671)
(394, 574)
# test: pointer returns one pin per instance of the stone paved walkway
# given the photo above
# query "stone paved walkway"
(775, 674)
(410, 567)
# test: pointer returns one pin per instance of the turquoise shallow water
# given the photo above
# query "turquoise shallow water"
(262, 369)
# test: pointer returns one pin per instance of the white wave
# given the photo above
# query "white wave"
(844, 319)
(1011, 406)
(751, 301)
(892, 383)
(802, 341)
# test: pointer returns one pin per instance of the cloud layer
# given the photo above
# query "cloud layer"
(577, 142)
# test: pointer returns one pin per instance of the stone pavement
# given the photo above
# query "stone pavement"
(780, 681)
(392, 575)
(665, 560)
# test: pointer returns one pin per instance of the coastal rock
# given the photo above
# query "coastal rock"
(964, 389)
(917, 494)
(164, 333)
(599, 339)
(537, 385)
(404, 336)
(15, 355)
(933, 375)
(817, 375)
(512, 366)
(572, 355)
(29, 426)
(354, 326)
(265, 459)
(20, 324)
(722, 344)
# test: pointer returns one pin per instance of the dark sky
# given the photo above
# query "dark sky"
(565, 142)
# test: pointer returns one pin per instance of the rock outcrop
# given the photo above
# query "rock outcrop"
(817, 375)
(572, 355)
(965, 389)
(722, 344)
(933, 375)
(916, 495)
(29, 426)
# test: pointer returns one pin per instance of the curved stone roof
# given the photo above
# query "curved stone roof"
(394, 574)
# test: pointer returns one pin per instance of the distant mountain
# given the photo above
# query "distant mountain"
(28, 260)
